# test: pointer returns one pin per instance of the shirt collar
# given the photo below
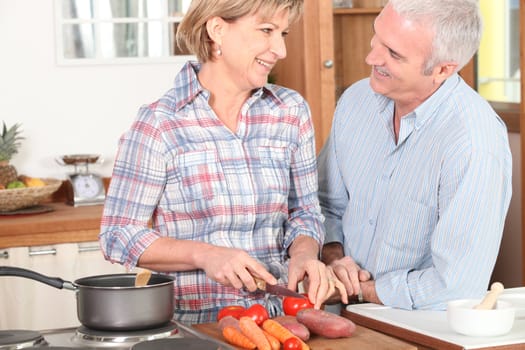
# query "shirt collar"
(428, 108)
(187, 86)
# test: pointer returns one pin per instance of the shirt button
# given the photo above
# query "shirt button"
(371, 222)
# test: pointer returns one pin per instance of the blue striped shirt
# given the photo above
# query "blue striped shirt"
(425, 216)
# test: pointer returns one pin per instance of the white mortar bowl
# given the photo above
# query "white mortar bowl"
(464, 319)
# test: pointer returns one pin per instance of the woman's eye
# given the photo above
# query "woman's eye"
(267, 30)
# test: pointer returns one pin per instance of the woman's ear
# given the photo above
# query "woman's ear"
(215, 28)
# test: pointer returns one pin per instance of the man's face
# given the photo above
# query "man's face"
(399, 49)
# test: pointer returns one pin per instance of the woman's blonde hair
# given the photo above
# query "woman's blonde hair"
(192, 33)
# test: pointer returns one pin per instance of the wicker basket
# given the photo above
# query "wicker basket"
(18, 198)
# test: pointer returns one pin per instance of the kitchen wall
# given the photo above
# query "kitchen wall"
(65, 109)
(84, 109)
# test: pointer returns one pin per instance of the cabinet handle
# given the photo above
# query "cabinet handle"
(50, 251)
(89, 248)
(4, 255)
(328, 64)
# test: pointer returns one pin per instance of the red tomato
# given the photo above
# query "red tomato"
(256, 312)
(233, 310)
(292, 343)
(292, 305)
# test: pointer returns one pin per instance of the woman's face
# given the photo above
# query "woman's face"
(251, 46)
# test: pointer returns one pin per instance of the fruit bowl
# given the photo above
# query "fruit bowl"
(18, 198)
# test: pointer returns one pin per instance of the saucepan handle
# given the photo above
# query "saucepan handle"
(56, 282)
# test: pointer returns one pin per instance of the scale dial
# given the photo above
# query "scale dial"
(87, 189)
(86, 186)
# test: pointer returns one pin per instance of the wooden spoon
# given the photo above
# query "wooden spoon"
(489, 302)
(142, 278)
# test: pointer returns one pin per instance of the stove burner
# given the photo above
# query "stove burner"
(19, 339)
(52, 348)
(92, 337)
(179, 343)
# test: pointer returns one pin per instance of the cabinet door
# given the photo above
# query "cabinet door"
(353, 30)
(32, 305)
(28, 304)
(308, 67)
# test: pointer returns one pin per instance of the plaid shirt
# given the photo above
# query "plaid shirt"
(195, 179)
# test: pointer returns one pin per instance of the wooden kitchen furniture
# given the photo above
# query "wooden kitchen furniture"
(65, 224)
(309, 65)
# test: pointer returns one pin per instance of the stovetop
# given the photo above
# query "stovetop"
(173, 335)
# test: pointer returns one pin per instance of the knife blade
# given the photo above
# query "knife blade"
(275, 289)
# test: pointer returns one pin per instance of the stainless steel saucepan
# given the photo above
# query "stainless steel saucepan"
(112, 302)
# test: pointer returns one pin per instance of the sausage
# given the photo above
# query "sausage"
(326, 324)
(294, 326)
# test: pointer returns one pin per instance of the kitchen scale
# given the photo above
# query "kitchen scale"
(85, 187)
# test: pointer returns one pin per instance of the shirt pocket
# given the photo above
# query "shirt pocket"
(411, 227)
(275, 168)
(200, 174)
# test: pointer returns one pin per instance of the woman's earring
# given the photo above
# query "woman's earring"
(219, 51)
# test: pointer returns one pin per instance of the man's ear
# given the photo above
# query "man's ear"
(444, 70)
(215, 27)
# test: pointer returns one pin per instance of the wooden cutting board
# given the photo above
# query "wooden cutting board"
(362, 339)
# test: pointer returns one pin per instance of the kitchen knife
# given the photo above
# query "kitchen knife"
(275, 289)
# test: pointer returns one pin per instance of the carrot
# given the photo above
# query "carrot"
(235, 337)
(274, 342)
(250, 329)
(280, 332)
(277, 330)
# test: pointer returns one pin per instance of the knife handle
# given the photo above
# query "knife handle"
(261, 284)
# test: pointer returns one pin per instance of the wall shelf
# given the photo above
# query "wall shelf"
(357, 10)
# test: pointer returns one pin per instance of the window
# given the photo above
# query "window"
(499, 53)
(118, 31)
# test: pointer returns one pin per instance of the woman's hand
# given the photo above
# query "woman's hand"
(234, 267)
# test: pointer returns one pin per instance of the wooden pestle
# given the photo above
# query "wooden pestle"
(489, 302)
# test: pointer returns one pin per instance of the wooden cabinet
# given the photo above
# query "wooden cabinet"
(522, 137)
(309, 65)
(326, 52)
(353, 30)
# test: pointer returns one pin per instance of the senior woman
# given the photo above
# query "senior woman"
(216, 182)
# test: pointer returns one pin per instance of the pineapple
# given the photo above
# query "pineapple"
(9, 144)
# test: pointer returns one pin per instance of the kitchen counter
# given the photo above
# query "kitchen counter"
(65, 224)
(430, 329)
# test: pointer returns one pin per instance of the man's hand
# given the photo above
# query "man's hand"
(350, 274)
(345, 268)
(368, 289)
(319, 280)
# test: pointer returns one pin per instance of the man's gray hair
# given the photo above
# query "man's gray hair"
(457, 27)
